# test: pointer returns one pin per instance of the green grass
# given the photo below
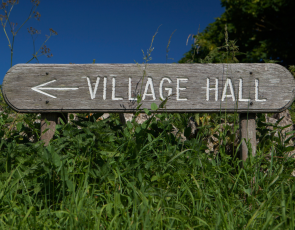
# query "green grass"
(109, 176)
(100, 174)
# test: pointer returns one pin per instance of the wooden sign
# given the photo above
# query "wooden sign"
(253, 88)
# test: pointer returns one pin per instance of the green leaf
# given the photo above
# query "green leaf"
(70, 185)
(139, 176)
(56, 159)
(144, 125)
(150, 137)
(138, 128)
(129, 125)
(37, 189)
(154, 106)
(26, 216)
(126, 132)
(197, 118)
(147, 111)
(148, 165)
(154, 178)
(19, 126)
(61, 120)
(109, 208)
(289, 149)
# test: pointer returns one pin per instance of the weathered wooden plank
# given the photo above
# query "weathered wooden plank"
(113, 87)
(247, 134)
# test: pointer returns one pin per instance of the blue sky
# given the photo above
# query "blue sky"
(110, 31)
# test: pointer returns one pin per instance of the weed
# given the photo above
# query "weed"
(100, 174)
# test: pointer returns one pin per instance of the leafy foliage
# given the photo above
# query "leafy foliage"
(101, 174)
(262, 29)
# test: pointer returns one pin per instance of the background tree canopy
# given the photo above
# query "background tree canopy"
(262, 30)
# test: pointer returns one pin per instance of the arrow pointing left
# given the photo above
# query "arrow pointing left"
(39, 87)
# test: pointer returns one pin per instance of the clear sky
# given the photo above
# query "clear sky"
(112, 31)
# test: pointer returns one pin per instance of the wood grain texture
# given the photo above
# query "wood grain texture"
(68, 87)
(248, 133)
(48, 123)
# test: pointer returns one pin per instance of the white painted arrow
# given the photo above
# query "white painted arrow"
(38, 88)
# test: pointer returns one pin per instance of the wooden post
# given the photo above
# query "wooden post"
(248, 132)
(122, 118)
(53, 119)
